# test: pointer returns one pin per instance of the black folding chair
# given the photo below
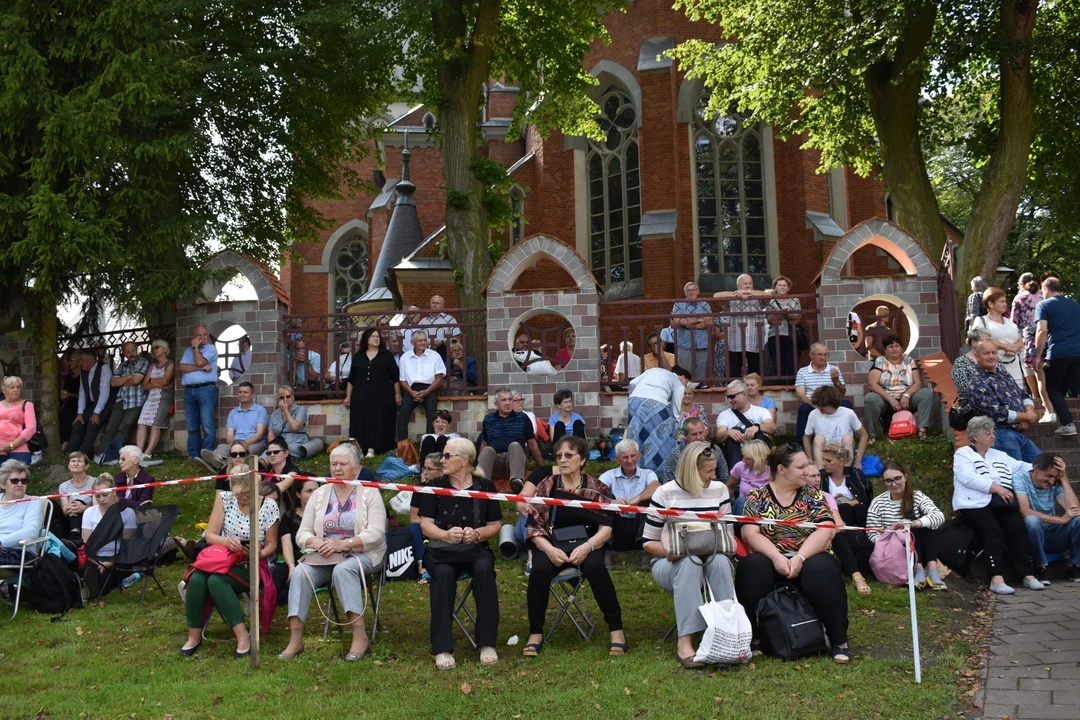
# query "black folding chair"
(143, 553)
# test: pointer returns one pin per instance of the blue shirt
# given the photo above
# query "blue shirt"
(301, 370)
(627, 487)
(682, 335)
(1044, 501)
(574, 418)
(244, 423)
(1062, 317)
(196, 377)
(500, 432)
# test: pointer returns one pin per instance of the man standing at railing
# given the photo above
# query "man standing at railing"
(96, 400)
(691, 323)
(744, 335)
(127, 380)
(443, 326)
(308, 366)
(198, 375)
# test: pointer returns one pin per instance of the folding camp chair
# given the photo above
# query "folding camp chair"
(142, 553)
(566, 588)
(32, 551)
(460, 606)
(374, 595)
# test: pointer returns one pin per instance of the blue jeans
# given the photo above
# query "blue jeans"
(200, 409)
(1050, 538)
(1015, 444)
(23, 457)
(519, 530)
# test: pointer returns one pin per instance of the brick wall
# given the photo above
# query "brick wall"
(18, 356)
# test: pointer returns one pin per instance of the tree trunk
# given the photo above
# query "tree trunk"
(994, 212)
(468, 44)
(894, 89)
(45, 346)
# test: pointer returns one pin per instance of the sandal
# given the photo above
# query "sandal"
(861, 585)
(618, 648)
(488, 656)
(425, 578)
(532, 649)
(445, 661)
(841, 656)
(690, 662)
(355, 657)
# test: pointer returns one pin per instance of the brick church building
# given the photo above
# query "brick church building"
(668, 196)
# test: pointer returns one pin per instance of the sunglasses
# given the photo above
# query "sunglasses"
(708, 453)
(241, 454)
(732, 397)
(447, 456)
(19, 481)
(271, 453)
(565, 456)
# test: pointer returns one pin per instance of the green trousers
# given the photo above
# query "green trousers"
(222, 589)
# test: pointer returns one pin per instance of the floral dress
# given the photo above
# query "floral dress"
(1023, 314)
(697, 411)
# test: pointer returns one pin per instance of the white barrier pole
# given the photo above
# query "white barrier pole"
(908, 540)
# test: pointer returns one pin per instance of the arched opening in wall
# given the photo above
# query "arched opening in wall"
(877, 317)
(238, 288)
(233, 345)
(543, 342)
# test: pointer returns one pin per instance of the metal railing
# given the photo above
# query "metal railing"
(462, 345)
(108, 344)
(715, 347)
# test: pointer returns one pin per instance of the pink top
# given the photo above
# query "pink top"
(748, 479)
(830, 500)
(562, 358)
(12, 420)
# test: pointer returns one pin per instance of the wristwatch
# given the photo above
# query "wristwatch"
(350, 541)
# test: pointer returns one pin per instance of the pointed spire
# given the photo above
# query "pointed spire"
(405, 188)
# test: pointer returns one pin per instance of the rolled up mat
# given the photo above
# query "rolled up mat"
(508, 547)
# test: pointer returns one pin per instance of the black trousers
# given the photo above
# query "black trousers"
(1062, 376)
(925, 544)
(603, 589)
(852, 547)
(560, 429)
(431, 403)
(735, 363)
(1001, 527)
(820, 581)
(430, 445)
(84, 435)
(626, 532)
(443, 592)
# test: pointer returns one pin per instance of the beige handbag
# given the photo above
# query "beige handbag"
(699, 539)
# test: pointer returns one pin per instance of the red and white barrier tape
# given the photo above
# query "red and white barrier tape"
(122, 488)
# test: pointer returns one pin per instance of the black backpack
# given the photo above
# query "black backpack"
(55, 588)
(958, 545)
(789, 626)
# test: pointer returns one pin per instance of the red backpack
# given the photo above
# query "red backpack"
(903, 425)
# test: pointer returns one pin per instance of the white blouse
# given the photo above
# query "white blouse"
(973, 474)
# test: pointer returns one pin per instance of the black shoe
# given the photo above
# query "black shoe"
(1073, 573)
(189, 651)
(241, 655)
(1041, 575)
(516, 484)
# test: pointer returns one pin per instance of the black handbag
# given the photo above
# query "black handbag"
(959, 417)
(789, 626)
(747, 423)
(566, 538)
(447, 552)
(37, 441)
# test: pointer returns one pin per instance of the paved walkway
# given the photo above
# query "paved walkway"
(1033, 670)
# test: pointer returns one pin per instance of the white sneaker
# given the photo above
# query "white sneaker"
(1001, 589)
(1066, 430)
(1034, 584)
(1049, 417)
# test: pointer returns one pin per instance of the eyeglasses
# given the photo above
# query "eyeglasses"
(19, 480)
(565, 456)
(732, 397)
(447, 456)
(271, 453)
(893, 480)
(241, 454)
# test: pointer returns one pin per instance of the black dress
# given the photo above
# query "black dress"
(70, 406)
(372, 416)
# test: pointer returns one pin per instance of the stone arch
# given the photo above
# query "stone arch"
(521, 256)
(612, 73)
(257, 274)
(332, 242)
(905, 249)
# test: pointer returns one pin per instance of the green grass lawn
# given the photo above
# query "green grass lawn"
(121, 660)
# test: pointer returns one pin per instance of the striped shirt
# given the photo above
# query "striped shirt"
(885, 512)
(810, 379)
(672, 497)
(975, 474)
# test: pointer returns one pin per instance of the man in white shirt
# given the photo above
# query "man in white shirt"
(241, 362)
(442, 325)
(96, 400)
(628, 366)
(741, 422)
(338, 371)
(421, 373)
(630, 485)
(818, 373)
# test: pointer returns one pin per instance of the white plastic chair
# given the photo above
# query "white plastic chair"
(30, 557)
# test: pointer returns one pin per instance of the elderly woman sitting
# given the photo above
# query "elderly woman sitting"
(19, 521)
(458, 531)
(343, 533)
(568, 537)
(694, 490)
(796, 555)
(896, 384)
(289, 421)
(230, 527)
(983, 497)
(132, 473)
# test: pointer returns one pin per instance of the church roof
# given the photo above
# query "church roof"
(403, 233)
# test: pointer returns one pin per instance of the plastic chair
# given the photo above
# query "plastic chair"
(566, 588)
(30, 557)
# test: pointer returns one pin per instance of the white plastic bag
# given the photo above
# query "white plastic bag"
(727, 637)
(400, 503)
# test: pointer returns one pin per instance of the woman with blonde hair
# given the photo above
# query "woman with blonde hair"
(458, 532)
(692, 491)
(18, 422)
(750, 473)
(158, 383)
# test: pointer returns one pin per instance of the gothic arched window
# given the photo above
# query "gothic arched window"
(730, 195)
(350, 271)
(615, 192)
